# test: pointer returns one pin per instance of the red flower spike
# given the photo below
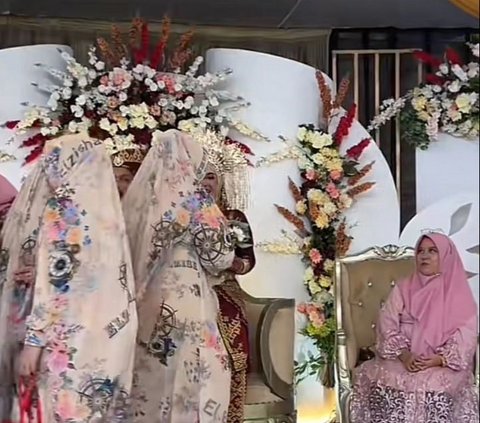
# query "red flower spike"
(356, 151)
(12, 124)
(344, 125)
(145, 46)
(158, 55)
(426, 58)
(453, 57)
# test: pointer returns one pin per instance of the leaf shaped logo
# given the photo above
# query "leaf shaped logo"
(474, 250)
(459, 218)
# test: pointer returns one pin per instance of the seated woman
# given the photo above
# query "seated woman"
(426, 341)
(232, 320)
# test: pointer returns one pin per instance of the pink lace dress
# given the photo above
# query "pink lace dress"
(385, 392)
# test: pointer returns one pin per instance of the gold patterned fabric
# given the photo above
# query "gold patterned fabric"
(233, 327)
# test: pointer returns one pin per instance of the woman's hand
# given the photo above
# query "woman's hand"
(29, 359)
(426, 363)
(409, 361)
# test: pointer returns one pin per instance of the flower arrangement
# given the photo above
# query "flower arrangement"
(128, 91)
(448, 102)
(331, 181)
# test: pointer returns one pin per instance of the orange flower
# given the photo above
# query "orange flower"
(52, 216)
(183, 217)
(74, 236)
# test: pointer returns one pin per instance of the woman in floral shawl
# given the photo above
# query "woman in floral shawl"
(427, 334)
(80, 334)
(177, 236)
(232, 314)
(18, 256)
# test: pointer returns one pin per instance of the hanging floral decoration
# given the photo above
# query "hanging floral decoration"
(447, 102)
(331, 182)
(129, 90)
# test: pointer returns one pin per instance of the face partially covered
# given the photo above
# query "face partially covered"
(427, 257)
(211, 183)
(123, 178)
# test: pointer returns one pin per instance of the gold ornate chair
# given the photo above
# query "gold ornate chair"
(270, 383)
(362, 283)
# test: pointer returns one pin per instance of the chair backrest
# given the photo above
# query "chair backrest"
(362, 283)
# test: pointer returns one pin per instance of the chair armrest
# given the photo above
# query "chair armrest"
(274, 341)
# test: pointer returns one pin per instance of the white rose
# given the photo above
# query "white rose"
(463, 103)
(454, 87)
(443, 68)
(81, 100)
(72, 126)
(77, 111)
(100, 66)
(301, 134)
(460, 73)
(104, 124)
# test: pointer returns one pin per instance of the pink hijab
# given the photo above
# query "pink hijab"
(440, 304)
(7, 195)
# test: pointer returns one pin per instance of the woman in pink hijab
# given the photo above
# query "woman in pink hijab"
(7, 195)
(426, 342)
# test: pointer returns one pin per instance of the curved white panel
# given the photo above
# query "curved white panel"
(458, 217)
(283, 95)
(17, 72)
(448, 166)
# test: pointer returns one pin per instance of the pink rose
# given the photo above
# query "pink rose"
(332, 190)
(315, 256)
(302, 308)
(311, 175)
(317, 318)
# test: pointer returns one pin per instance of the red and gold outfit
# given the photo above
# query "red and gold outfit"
(232, 322)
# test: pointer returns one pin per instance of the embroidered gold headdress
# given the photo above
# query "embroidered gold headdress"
(229, 162)
(125, 157)
(124, 152)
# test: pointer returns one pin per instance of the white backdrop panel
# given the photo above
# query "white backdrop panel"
(17, 72)
(450, 165)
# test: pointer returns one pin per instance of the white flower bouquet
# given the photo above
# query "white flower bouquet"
(448, 102)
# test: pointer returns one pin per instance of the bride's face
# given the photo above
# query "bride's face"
(211, 184)
(124, 178)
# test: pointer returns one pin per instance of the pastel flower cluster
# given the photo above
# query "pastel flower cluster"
(124, 102)
(448, 102)
(330, 183)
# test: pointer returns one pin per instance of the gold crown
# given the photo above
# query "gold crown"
(131, 155)
(225, 158)
(229, 162)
